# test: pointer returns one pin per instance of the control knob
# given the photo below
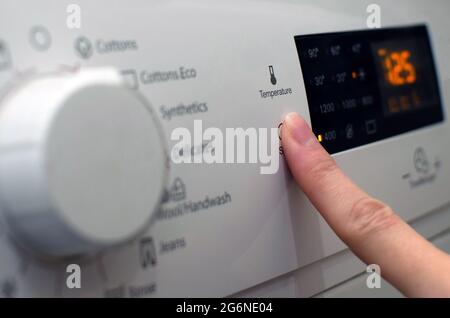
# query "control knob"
(82, 162)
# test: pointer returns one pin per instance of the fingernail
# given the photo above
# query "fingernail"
(299, 129)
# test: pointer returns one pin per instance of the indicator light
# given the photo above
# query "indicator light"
(319, 138)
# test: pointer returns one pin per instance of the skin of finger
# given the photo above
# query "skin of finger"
(398, 249)
(408, 261)
(330, 191)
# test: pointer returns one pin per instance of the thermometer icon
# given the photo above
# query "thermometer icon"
(273, 79)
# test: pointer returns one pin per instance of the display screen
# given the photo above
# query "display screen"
(364, 86)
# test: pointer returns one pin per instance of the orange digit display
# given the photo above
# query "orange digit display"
(399, 70)
(390, 87)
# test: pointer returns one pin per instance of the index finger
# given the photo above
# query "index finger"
(368, 226)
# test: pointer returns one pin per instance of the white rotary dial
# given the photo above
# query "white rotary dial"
(82, 162)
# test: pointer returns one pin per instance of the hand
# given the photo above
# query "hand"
(369, 227)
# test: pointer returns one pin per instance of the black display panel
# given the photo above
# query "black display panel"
(364, 86)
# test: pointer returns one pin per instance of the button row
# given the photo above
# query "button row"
(349, 131)
(344, 104)
(315, 53)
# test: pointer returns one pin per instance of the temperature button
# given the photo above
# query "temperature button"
(5, 57)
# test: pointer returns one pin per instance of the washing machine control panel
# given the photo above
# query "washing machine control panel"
(369, 85)
(93, 188)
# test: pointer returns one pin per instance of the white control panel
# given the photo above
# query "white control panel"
(87, 184)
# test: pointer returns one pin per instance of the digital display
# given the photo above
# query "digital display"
(406, 75)
(364, 86)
